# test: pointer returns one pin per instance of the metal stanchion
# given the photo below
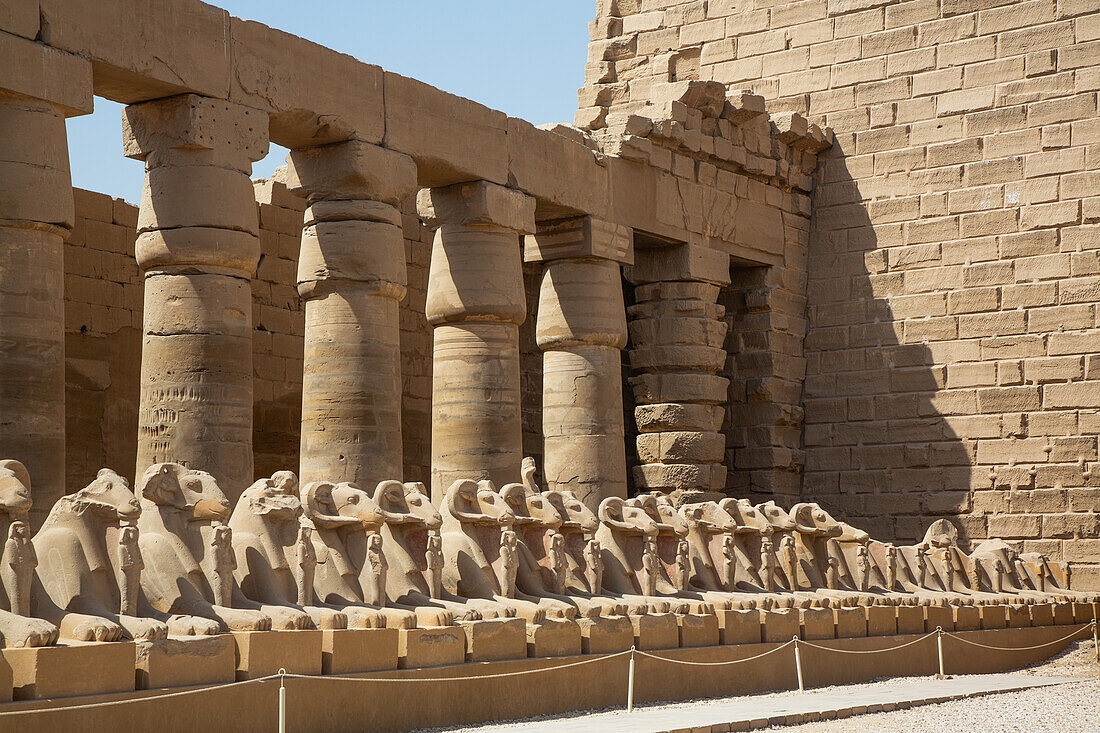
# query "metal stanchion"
(939, 649)
(1096, 639)
(282, 700)
(629, 684)
(798, 665)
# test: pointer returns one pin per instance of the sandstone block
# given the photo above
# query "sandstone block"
(71, 669)
(1018, 617)
(183, 661)
(582, 237)
(655, 631)
(698, 629)
(680, 262)
(346, 651)
(697, 388)
(605, 635)
(673, 416)
(678, 358)
(1042, 614)
(45, 73)
(681, 447)
(262, 653)
(433, 647)
(478, 203)
(236, 135)
(554, 638)
(850, 622)
(494, 639)
(1063, 613)
(739, 626)
(349, 171)
(670, 476)
(939, 616)
(993, 617)
(817, 623)
(910, 619)
(967, 618)
(780, 625)
(881, 620)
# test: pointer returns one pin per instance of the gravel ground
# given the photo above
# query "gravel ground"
(1064, 708)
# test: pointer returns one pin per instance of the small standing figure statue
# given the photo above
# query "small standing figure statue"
(649, 567)
(378, 567)
(1021, 572)
(998, 575)
(683, 565)
(863, 563)
(307, 565)
(433, 557)
(21, 559)
(767, 564)
(129, 567)
(1042, 574)
(593, 562)
(974, 574)
(922, 566)
(509, 562)
(729, 553)
(559, 563)
(225, 562)
(891, 567)
(832, 575)
(790, 562)
(949, 569)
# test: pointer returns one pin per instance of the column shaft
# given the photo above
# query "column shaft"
(352, 276)
(198, 247)
(476, 303)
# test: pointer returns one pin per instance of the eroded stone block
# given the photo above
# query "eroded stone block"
(881, 620)
(739, 627)
(554, 638)
(261, 653)
(698, 629)
(851, 622)
(70, 669)
(605, 635)
(782, 624)
(345, 651)
(182, 661)
(655, 631)
(433, 647)
(817, 623)
(493, 639)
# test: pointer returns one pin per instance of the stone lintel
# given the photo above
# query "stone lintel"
(192, 122)
(478, 203)
(688, 262)
(30, 69)
(582, 237)
(351, 170)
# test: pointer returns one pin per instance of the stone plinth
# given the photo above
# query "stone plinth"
(655, 631)
(351, 276)
(698, 629)
(1063, 613)
(476, 303)
(606, 635)
(780, 624)
(71, 669)
(967, 618)
(262, 653)
(739, 627)
(433, 647)
(852, 622)
(939, 617)
(910, 619)
(346, 651)
(1042, 614)
(183, 661)
(1019, 617)
(994, 617)
(554, 637)
(494, 639)
(198, 247)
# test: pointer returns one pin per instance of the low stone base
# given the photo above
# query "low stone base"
(1019, 617)
(605, 635)
(942, 617)
(655, 631)
(698, 629)
(1083, 613)
(850, 622)
(1042, 614)
(739, 627)
(69, 669)
(780, 625)
(432, 647)
(817, 623)
(993, 617)
(493, 639)
(183, 661)
(967, 618)
(554, 637)
(262, 653)
(882, 620)
(1063, 614)
(910, 619)
(346, 651)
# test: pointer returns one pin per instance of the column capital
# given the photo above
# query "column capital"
(351, 171)
(35, 71)
(237, 136)
(478, 203)
(684, 262)
(584, 237)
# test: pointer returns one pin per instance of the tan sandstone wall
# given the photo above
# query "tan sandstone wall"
(103, 311)
(952, 365)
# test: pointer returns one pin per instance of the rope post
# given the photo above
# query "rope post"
(629, 684)
(282, 700)
(1096, 640)
(939, 650)
(798, 665)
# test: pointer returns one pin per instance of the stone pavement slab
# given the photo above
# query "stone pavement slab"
(760, 711)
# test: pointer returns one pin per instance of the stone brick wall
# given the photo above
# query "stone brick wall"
(952, 365)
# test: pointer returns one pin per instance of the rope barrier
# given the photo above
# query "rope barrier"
(715, 664)
(868, 651)
(1089, 625)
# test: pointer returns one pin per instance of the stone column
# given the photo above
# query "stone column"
(475, 303)
(581, 329)
(198, 246)
(351, 275)
(36, 216)
(677, 352)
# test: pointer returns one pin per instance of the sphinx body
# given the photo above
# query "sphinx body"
(710, 537)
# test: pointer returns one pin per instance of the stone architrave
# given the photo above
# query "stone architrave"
(36, 216)
(475, 302)
(582, 330)
(678, 351)
(198, 247)
(351, 276)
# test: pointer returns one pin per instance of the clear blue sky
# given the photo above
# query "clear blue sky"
(522, 57)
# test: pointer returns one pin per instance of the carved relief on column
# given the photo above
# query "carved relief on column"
(475, 302)
(582, 330)
(198, 247)
(36, 216)
(352, 276)
(677, 351)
